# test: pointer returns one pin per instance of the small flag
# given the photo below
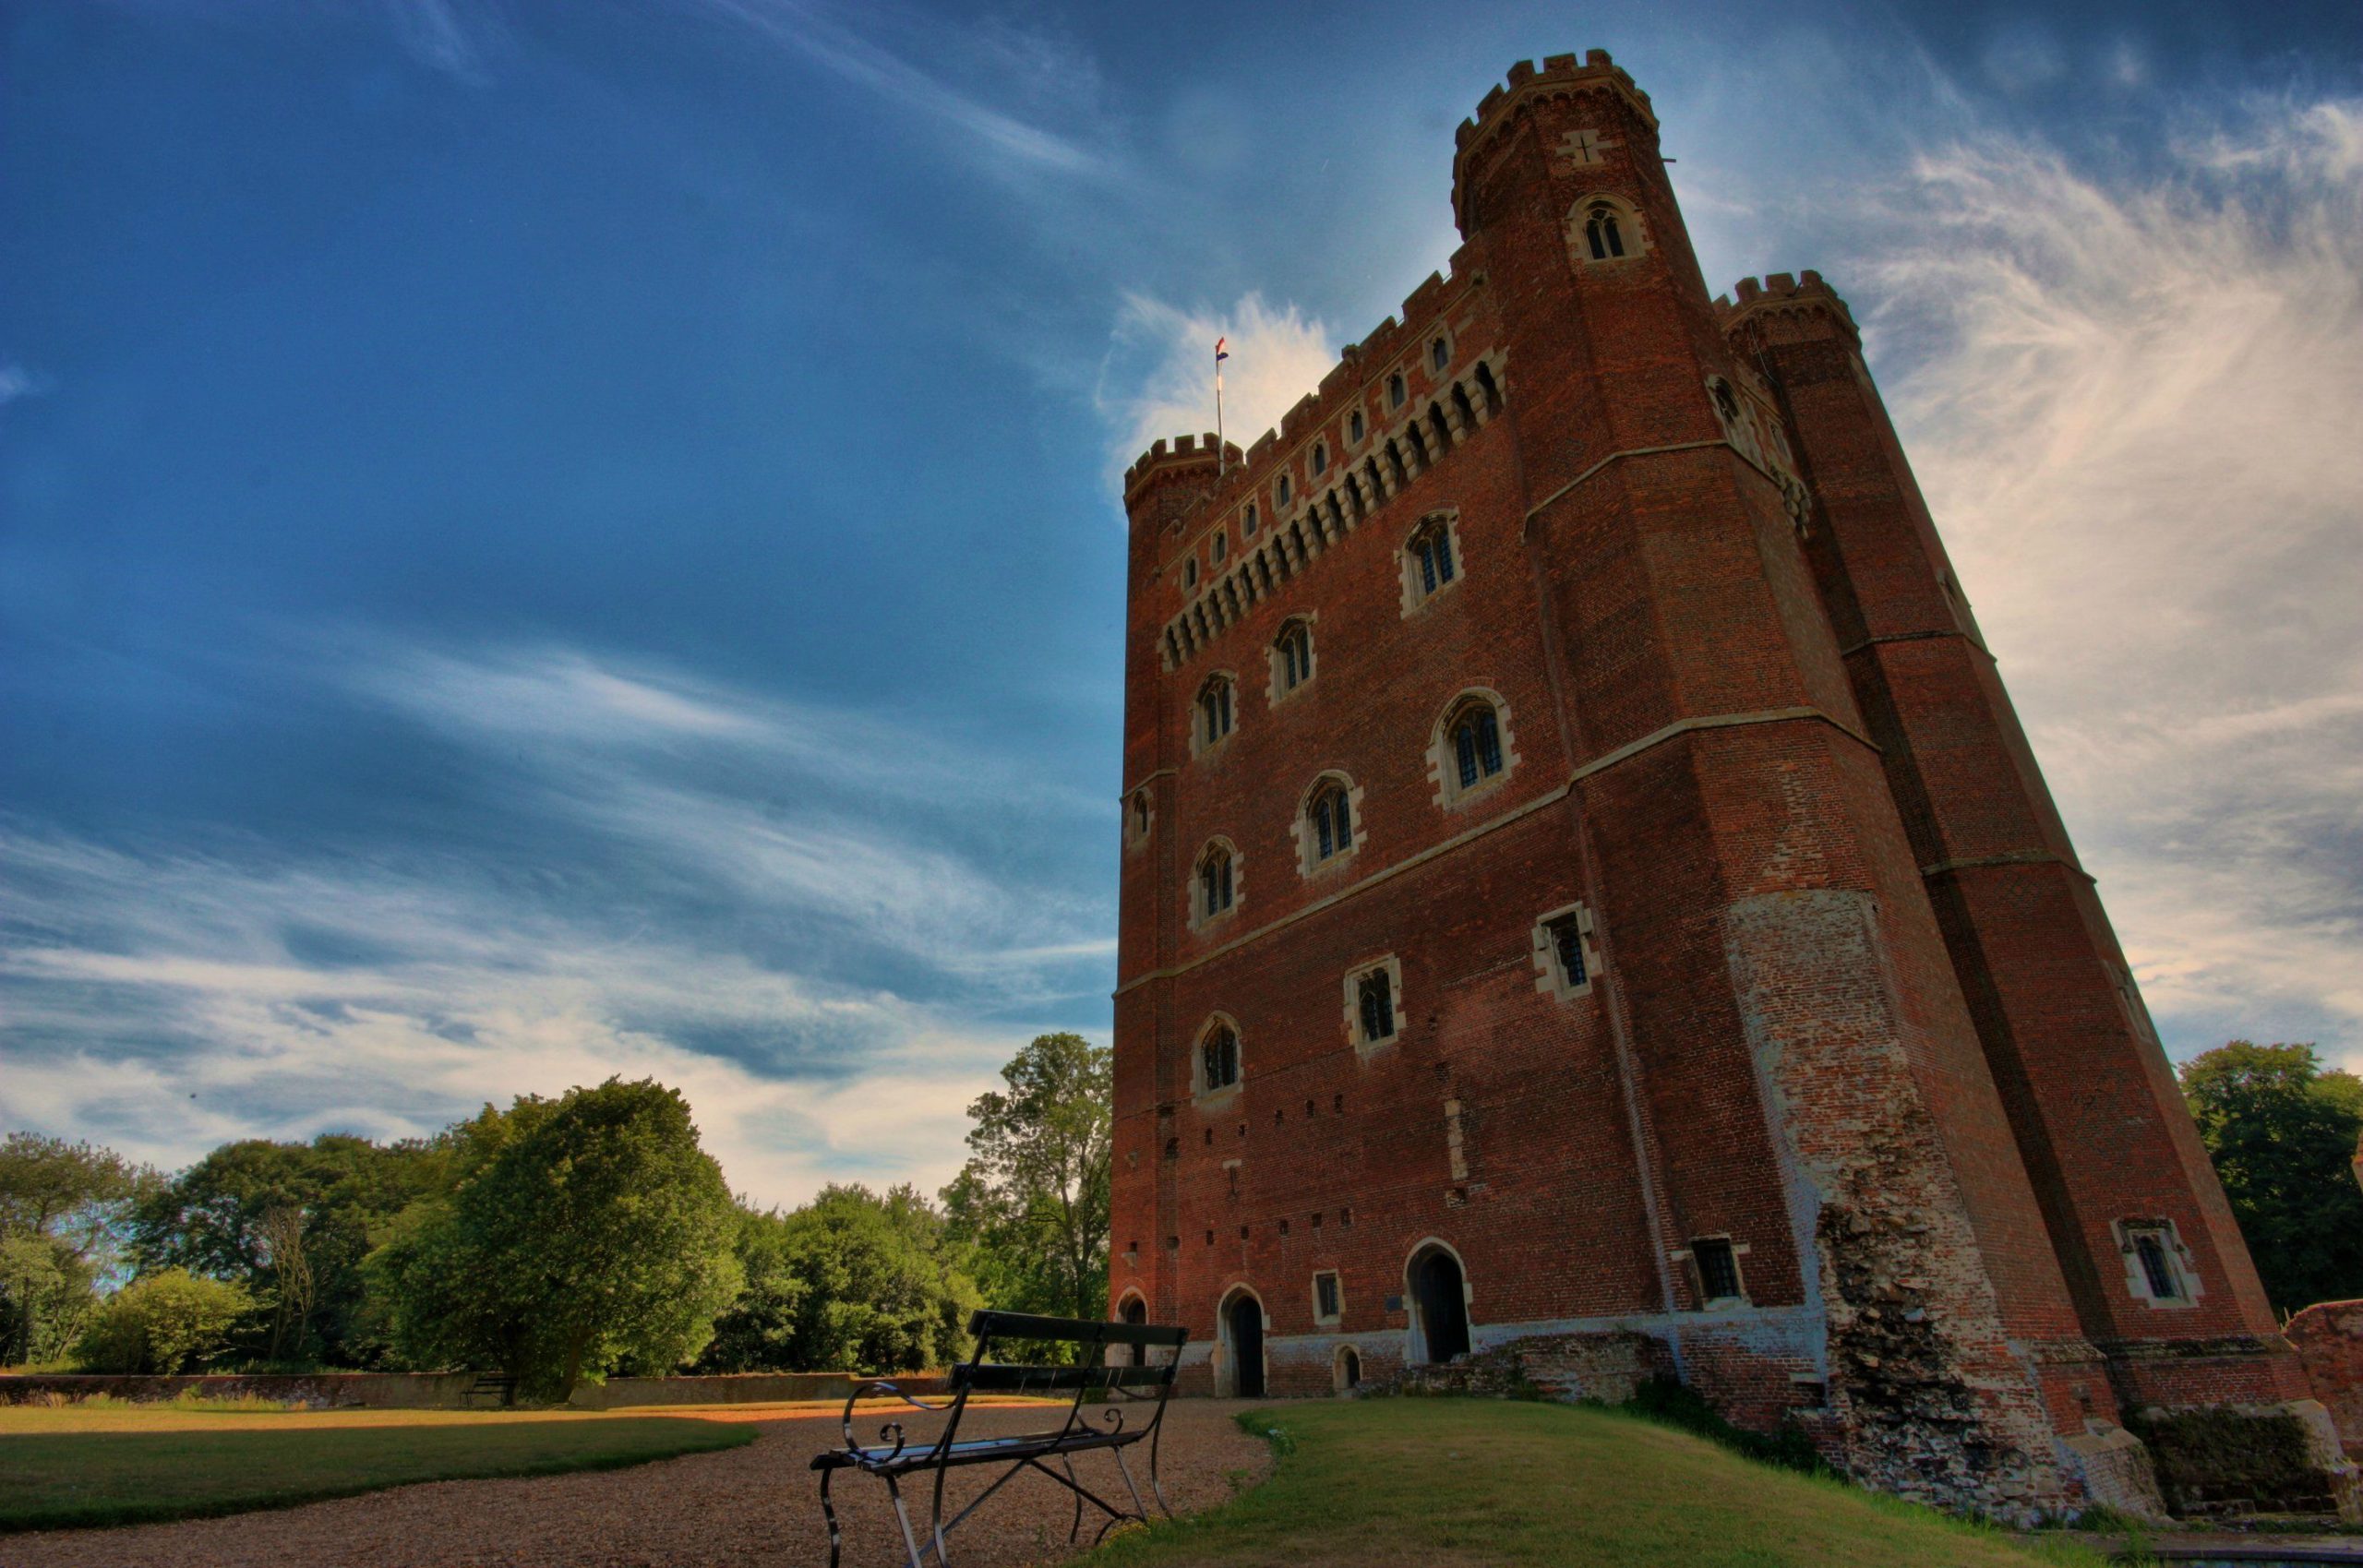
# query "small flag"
(1221, 354)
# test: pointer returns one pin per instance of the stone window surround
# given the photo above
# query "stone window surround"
(2178, 1258)
(1740, 1250)
(1548, 977)
(1444, 768)
(1200, 742)
(1635, 233)
(1337, 1316)
(1417, 595)
(1213, 1099)
(1277, 690)
(1443, 334)
(1394, 967)
(1308, 841)
(1199, 919)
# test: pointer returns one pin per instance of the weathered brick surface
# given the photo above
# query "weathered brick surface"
(2329, 1337)
(1853, 1001)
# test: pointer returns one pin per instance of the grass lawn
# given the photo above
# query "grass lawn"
(1453, 1483)
(124, 1464)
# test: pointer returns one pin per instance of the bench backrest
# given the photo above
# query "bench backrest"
(1151, 1378)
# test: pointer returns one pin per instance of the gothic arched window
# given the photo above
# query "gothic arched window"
(1396, 393)
(1476, 736)
(1217, 1058)
(1429, 560)
(1292, 658)
(1215, 879)
(1214, 710)
(1330, 819)
(1439, 354)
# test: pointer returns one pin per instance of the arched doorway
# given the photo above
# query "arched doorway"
(1439, 1291)
(1347, 1371)
(1243, 1321)
(1136, 1312)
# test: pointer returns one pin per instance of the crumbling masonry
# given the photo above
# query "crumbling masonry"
(1585, 889)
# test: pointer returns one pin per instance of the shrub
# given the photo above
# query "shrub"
(166, 1322)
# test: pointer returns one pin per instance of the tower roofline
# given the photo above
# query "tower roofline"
(1782, 294)
(1559, 76)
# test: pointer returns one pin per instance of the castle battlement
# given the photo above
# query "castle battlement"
(1784, 294)
(1356, 367)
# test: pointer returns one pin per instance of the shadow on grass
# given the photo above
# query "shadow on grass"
(70, 1479)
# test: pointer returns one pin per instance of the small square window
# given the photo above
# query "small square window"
(1718, 1266)
(1327, 1296)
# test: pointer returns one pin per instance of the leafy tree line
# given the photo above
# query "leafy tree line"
(558, 1240)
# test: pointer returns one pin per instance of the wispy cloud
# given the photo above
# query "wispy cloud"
(17, 381)
(2133, 409)
(1159, 378)
(695, 882)
(1013, 59)
(458, 40)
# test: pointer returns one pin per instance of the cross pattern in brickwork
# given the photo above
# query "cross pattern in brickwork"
(1585, 147)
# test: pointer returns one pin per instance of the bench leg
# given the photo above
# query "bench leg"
(910, 1541)
(1140, 1509)
(829, 1512)
(1075, 1487)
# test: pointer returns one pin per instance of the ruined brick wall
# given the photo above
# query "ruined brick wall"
(2329, 1337)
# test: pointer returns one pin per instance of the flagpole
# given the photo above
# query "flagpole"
(1222, 452)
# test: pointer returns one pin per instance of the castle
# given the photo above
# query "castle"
(1586, 895)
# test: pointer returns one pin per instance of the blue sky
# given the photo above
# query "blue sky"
(542, 540)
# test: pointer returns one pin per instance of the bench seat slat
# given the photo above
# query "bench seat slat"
(977, 1451)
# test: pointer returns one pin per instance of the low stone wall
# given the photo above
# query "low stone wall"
(380, 1391)
(2329, 1337)
(445, 1391)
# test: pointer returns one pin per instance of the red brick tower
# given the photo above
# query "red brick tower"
(1523, 949)
(2160, 1275)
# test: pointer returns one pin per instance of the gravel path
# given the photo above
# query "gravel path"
(747, 1506)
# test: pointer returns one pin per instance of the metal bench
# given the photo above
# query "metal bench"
(1139, 1376)
(495, 1386)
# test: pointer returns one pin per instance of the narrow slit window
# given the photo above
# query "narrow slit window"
(1396, 393)
(1355, 425)
(1377, 994)
(1439, 354)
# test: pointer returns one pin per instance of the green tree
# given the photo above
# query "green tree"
(63, 1213)
(865, 1283)
(166, 1322)
(2281, 1131)
(580, 1234)
(757, 1332)
(291, 1222)
(1033, 1199)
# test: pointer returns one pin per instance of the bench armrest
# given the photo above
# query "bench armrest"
(890, 1430)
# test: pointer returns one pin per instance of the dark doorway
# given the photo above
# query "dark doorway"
(1136, 1312)
(1444, 1304)
(1247, 1347)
